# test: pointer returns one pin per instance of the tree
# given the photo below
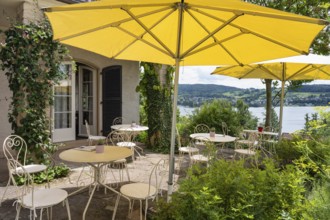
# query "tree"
(31, 61)
(155, 87)
(311, 8)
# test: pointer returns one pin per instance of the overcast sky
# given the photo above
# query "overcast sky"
(201, 75)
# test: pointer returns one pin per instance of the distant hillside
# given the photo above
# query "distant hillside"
(196, 94)
(314, 88)
(205, 90)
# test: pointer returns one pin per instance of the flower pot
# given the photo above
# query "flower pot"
(212, 133)
(99, 149)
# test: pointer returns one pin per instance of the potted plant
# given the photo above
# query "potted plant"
(99, 148)
(212, 132)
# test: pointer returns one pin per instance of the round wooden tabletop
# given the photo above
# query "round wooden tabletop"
(80, 155)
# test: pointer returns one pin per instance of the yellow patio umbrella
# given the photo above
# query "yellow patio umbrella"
(183, 32)
(283, 69)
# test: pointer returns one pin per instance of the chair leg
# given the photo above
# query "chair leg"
(4, 193)
(41, 212)
(141, 214)
(68, 208)
(115, 208)
(129, 179)
(18, 211)
(146, 210)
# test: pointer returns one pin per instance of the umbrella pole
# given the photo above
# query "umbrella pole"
(173, 130)
(282, 102)
(281, 111)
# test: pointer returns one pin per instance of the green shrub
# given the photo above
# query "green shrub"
(214, 113)
(50, 174)
(230, 191)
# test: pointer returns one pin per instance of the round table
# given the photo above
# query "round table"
(111, 153)
(96, 161)
(129, 127)
(219, 138)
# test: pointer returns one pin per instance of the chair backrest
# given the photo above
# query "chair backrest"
(14, 149)
(118, 121)
(253, 140)
(157, 174)
(224, 128)
(178, 138)
(202, 128)
(87, 129)
(117, 136)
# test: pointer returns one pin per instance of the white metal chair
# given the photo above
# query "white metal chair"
(184, 150)
(36, 199)
(202, 128)
(114, 138)
(205, 153)
(92, 138)
(247, 147)
(15, 149)
(224, 127)
(27, 196)
(118, 121)
(143, 191)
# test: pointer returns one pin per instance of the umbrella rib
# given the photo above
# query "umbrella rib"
(79, 7)
(250, 71)
(149, 31)
(220, 44)
(215, 39)
(210, 35)
(113, 24)
(269, 72)
(246, 31)
(320, 69)
(302, 71)
(138, 38)
(221, 69)
(298, 18)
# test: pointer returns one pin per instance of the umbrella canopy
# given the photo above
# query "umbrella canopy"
(302, 67)
(186, 32)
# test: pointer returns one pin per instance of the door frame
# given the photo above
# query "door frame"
(65, 134)
(81, 124)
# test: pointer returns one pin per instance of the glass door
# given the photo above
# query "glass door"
(87, 103)
(63, 109)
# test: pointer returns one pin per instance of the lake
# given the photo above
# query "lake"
(293, 117)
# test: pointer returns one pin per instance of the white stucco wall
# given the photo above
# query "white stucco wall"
(130, 79)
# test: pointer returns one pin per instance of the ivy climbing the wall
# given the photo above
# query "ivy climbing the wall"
(156, 88)
(31, 60)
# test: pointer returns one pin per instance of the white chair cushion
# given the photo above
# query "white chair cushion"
(31, 168)
(199, 158)
(245, 152)
(188, 149)
(138, 190)
(96, 138)
(44, 198)
(126, 144)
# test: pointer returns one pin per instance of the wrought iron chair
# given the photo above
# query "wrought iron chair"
(28, 196)
(15, 149)
(202, 128)
(36, 199)
(184, 150)
(206, 152)
(118, 121)
(143, 191)
(92, 138)
(114, 138)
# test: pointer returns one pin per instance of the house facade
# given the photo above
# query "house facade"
(97, 89)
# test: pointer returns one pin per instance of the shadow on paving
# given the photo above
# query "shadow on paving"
(100, 208)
